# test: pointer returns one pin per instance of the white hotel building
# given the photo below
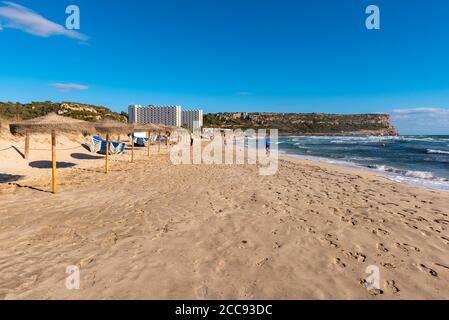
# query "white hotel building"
(170, 115)
(192, 119)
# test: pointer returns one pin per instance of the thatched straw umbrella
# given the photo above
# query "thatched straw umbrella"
(181, 133)
(169, 130)
(50, 123)
(149, 127)
(137, 127)
(108, 126)
(165, 130)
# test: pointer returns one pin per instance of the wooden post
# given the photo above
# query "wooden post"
(159, 143)
(132, 146)
(149, 142)
(27, 146)
(53, 160)
(107, 153)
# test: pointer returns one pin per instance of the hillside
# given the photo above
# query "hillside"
(18, 111)
(306, 124)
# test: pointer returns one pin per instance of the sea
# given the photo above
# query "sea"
(416, 160)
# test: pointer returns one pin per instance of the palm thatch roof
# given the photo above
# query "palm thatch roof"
(51, 122)
(167, 128)
(178, 130)
(137, 127)
(153, 127)
(111, 126)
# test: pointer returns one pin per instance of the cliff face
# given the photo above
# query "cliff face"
(306, 124)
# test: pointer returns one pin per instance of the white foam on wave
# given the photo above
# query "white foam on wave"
(437, 151)
(417, 178)
(425, 179)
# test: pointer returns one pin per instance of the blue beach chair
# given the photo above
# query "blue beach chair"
(99, 145)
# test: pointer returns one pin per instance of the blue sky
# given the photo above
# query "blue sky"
(233, 55)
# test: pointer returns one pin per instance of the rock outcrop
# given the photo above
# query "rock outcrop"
(306, 123)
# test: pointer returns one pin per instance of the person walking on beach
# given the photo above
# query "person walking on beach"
(267, 143)
(191, 139)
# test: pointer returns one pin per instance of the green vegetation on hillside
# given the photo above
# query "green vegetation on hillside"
(15, 111)
(304, 123)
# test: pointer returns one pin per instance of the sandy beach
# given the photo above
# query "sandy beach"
(153, 230)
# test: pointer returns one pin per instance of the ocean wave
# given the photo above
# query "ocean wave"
(437, 151)
(426, 175)
(354, 158)
(299, 145)
(417, 160)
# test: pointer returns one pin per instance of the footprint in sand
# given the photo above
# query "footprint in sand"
(442, 221)
(408, 224)
(428, 270)
(446, 239)
(421, 219)
(399, 214)
(381, 232)
(276, 245)
(391, 286)
(331, 240)
(202, 292)
(410, 211)
(373, 292)
(311, 230)
(387, 265)
(360, 257)
(262, 262)
(407, 247)
(381, 247)
(435, 230)
(339, 263)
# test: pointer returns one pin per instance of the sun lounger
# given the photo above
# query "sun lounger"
(95, 144)
(152, 140)
(99, 145)
(139, 141)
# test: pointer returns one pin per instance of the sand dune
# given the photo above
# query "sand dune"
(152, 230)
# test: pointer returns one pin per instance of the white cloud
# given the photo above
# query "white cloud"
(64, 87)
(421, 120)
(15, 16)
(428, 111)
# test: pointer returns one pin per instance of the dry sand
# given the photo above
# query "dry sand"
(152, 230)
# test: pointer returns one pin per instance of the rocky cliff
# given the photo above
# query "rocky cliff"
(306, 123)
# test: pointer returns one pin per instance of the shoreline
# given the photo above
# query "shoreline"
(356, 167)
(413, 160)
